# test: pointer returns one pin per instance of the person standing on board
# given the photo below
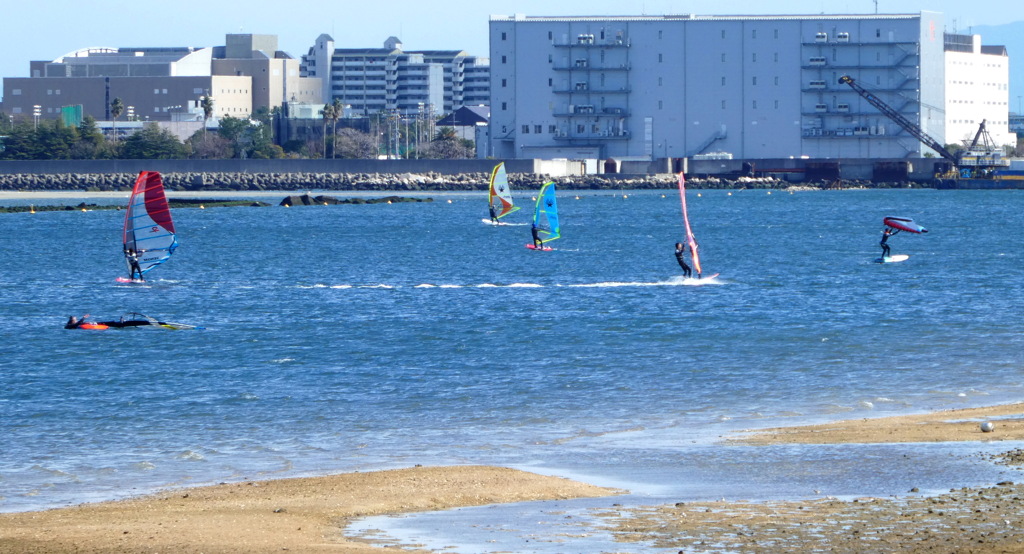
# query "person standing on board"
(538, 244)
(494, 214)
(680, 251)
(886, 233)
(133, 263)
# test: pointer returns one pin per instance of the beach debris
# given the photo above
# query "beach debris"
(987, 427)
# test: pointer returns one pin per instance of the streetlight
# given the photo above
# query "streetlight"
(37, 111)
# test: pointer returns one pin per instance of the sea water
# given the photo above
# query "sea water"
(359, 337)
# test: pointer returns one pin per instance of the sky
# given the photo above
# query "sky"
(52, 28)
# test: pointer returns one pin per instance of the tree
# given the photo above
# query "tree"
(351, 143)
(338, 109)
(328, 114)
(210, 147)
(447, 145)
(153, 143)
(116, 109)
(207, 104)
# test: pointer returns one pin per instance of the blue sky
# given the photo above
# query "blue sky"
(53, 28)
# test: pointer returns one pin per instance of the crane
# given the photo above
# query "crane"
(908, 126)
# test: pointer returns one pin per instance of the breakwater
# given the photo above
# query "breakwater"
(239, 181)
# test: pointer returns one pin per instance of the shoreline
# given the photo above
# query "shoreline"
(311, 514)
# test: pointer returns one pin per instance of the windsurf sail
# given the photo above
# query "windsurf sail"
(545, 216)
(499, 195)
(148, 229)
(904, 224)
(691, 241)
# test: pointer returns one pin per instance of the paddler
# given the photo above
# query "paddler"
(75, 322)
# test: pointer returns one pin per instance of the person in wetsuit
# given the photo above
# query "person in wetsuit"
(133, 263)
(74, 322)
(537, 242)
(680, 251)
(494, 214)
(886, 233)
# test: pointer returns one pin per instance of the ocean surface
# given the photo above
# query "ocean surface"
(360, 337)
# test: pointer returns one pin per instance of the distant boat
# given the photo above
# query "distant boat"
(148, 228)
(499, 195)
(545, 216)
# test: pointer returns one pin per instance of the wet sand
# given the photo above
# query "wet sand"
(310, 514)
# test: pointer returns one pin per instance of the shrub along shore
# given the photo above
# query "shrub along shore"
(95, 182)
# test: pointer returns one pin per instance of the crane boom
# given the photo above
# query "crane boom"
(908, 126)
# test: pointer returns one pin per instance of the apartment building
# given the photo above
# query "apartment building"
(158, 84)
(679, 86)
(390, 80)
(977, 89)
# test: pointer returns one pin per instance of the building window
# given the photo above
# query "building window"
(504, 83)
(156, 91)
(776, 104)
(659, 81)
(723, 81)
(776, 57)
(753, 33)
(538, 129)
(776, 80)
(526, 129)
(550, 82)
(550, 58)
(723, 104)
(754, 81)
(753, 57)
(552, 129)
(776, 33)
(503, 36)
(659, 104)
(504, 59)
(754, 105)
(16, 92)
(580, 129)
(659, 33)
(723, 33)
(550, 36)
(723, 57)
(878, 33)
(661, 58)
(504, 106)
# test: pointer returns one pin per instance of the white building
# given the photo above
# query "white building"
(678, 86)
(388, 79)
(977, 89)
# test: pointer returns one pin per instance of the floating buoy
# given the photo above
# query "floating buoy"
(202, 207)
(624, 196)
(389, 201)
(449, 201)
(31, 209)
(987, 427)
(577, 197)
(730, 194)
(84, 210)
(769, 192)
(663, 196)
(698, 195)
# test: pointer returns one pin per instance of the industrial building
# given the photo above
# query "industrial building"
(751, 87)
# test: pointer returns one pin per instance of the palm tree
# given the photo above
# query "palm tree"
(116, 109)
(328, 114)
(207, 105)
(338, 109)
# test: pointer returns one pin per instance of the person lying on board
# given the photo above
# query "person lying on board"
(680, 251)
(75, 322)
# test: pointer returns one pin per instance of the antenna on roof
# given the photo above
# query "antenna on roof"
(876, 7)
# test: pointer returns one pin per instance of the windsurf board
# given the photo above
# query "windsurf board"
(892, 259)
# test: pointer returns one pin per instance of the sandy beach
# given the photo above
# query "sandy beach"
(309, 514)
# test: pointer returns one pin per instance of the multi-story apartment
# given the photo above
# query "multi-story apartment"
(389, 80)
(678, 86)
(157, 83)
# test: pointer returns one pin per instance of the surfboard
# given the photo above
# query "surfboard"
(892, 259)
(127, 280)
(544, 248)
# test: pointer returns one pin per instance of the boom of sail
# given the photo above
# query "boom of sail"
(691, 241)
(545, 216)
(499, 195)
(148, 228)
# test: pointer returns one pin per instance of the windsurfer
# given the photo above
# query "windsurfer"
(680, 251)
(886, 233)
(494, 214)
(133, 263)
(537, 242)
(74, 322)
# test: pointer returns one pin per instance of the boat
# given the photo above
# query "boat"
(545, 217)
(690, 240)
(499, 195)
(148, 229)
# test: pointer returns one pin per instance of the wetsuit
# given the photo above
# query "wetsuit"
(133, 263)
(537, 242)
(687, 272)
(494, 215)
(888, 232)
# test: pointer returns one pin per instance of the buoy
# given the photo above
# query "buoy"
(389, 201)
(625, 196)
(769, 192)
(31, 209)
(449, 200)
(698, 195)
(663, 196)
(202, 207)
(987, 427)
(730, 194)
(577, 198)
